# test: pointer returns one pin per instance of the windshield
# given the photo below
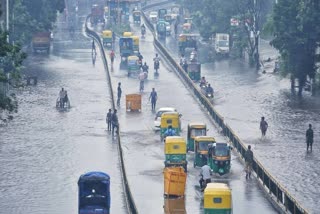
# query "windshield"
(221, 150)
(203, 146)
(223, 43)
(198, 132)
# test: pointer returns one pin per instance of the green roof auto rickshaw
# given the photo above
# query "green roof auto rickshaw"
(194, 130)
(194, 71)
(107, 38)
(201, 144)
(170, 118)
(187, 41)
(133, 66)
(220, 158)
(175, 152)
(136, 16)
(217, 199)
(126, 48)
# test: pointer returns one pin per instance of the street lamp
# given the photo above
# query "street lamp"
(7, 16)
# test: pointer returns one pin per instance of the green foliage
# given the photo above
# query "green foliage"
(296, 36)
(34, 16)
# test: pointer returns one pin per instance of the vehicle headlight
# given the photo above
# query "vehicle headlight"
(200, 155)
(227, 162)
(216, 162)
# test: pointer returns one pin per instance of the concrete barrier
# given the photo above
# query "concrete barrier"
(131, 207)
(274, 189)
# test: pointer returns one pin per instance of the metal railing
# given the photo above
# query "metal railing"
(128, 195)
(275, 190)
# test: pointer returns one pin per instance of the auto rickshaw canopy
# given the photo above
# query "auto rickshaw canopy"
(136, 13)
(132, 59)
(175, 145)
(217, 196)
(196, 129)
(135, 40)
(127, 34)
(201, 143)
(170, 118)
(186, 26)
(107, 33)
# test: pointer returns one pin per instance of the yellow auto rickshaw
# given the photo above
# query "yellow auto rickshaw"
(195, 129)
(175, 150)
(217, 199)
(201, 150)
(170, 118)
(107, 38)
(127, 34)
(136, 42)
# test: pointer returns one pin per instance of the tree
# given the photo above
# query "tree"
(296, 36)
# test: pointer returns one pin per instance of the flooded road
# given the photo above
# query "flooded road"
(44, 151)
(243, 96)
(144, 152)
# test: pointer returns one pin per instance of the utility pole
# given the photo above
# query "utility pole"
(7, 17)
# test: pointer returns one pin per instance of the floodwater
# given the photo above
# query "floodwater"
(243, 96)
(144, 152)
(43, 150)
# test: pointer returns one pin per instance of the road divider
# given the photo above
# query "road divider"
(283, 200)
(130, 204)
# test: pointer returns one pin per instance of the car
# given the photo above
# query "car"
(157, 119)
(153, 16)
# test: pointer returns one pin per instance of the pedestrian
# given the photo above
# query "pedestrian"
(109, 119)
(119, 92)
(115, 121)
(249, 160)
(153, 97)
(309, 136)
(263, 126)
(112, 55)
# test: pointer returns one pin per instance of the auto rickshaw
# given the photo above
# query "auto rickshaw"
(127, 34)
(107, 38)
(219, 158)
(217, 199)
(94, 192)
(175, 152)
(133, 65)
(126, 48)
(161, 29)
(170, 118)
(201, 144)
(187, 41)
(194, 71)
(135, 43)
(186, 28)
(194, 130)
(136, 16)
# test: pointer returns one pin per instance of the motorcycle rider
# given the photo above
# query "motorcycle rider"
(209, 89)
(205, 177)
(203, 82)
(140, 58)
(156, 61)
(145, 67)
(193, 55)
(170, 131)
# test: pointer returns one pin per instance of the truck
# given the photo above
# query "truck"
(221, 44)
(41, 42)
(97, 14)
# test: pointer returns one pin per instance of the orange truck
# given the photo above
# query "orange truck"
(41, 42)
